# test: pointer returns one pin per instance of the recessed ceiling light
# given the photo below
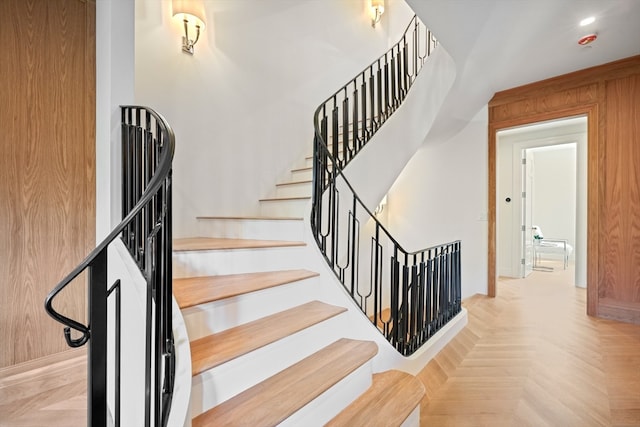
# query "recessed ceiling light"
(587, 21)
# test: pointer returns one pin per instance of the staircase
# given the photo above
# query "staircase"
(265, 349)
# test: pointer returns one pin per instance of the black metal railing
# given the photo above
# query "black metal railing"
(408, 295)
(147, 152)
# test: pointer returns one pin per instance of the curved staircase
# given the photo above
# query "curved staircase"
(264, 350)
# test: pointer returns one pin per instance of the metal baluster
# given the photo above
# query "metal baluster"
(97, 355)
(355, 119)
(372, 106)
(363, 94)
(117, 356)
(394, 97)
(346, 150)
(380, 96)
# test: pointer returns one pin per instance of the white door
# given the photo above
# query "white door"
(527, 212)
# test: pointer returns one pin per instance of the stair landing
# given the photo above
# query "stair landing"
(392, 397)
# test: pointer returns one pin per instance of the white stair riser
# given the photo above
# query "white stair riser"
(294, 190)
(217, 316)
(229, 379)
(239, 228)
(219, 262)
(295, 208)
(330, 403)
(301, 175)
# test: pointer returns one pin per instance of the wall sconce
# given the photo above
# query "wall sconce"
(377, 9)
(191, 13)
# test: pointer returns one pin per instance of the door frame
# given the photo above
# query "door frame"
(593, 177)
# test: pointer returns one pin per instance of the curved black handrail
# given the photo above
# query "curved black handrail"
(148, 146)
(422, 290)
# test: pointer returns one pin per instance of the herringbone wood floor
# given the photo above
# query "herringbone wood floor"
(529, 357)
(532, 357)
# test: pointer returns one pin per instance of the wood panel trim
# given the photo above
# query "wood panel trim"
(612, 70)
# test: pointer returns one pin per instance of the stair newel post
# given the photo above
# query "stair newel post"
(97, 355)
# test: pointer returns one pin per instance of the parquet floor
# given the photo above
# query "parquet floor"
(532, 357)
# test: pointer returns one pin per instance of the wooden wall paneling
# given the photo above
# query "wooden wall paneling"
(620, 285)
(608, 95)
(595, 185)
(47, 169)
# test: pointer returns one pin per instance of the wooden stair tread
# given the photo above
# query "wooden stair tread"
(215, 243)
(388, 402)
(215, 349)
(278, 397)
(192, 291)
(257, 218)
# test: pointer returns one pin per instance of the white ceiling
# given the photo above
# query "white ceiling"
(514, 42)
(500, 44)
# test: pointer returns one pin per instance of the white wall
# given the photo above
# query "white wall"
(114, 87)
(242, 106)
(554, 191)
(441, 196)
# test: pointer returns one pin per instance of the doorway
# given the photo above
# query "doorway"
(542, 184)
